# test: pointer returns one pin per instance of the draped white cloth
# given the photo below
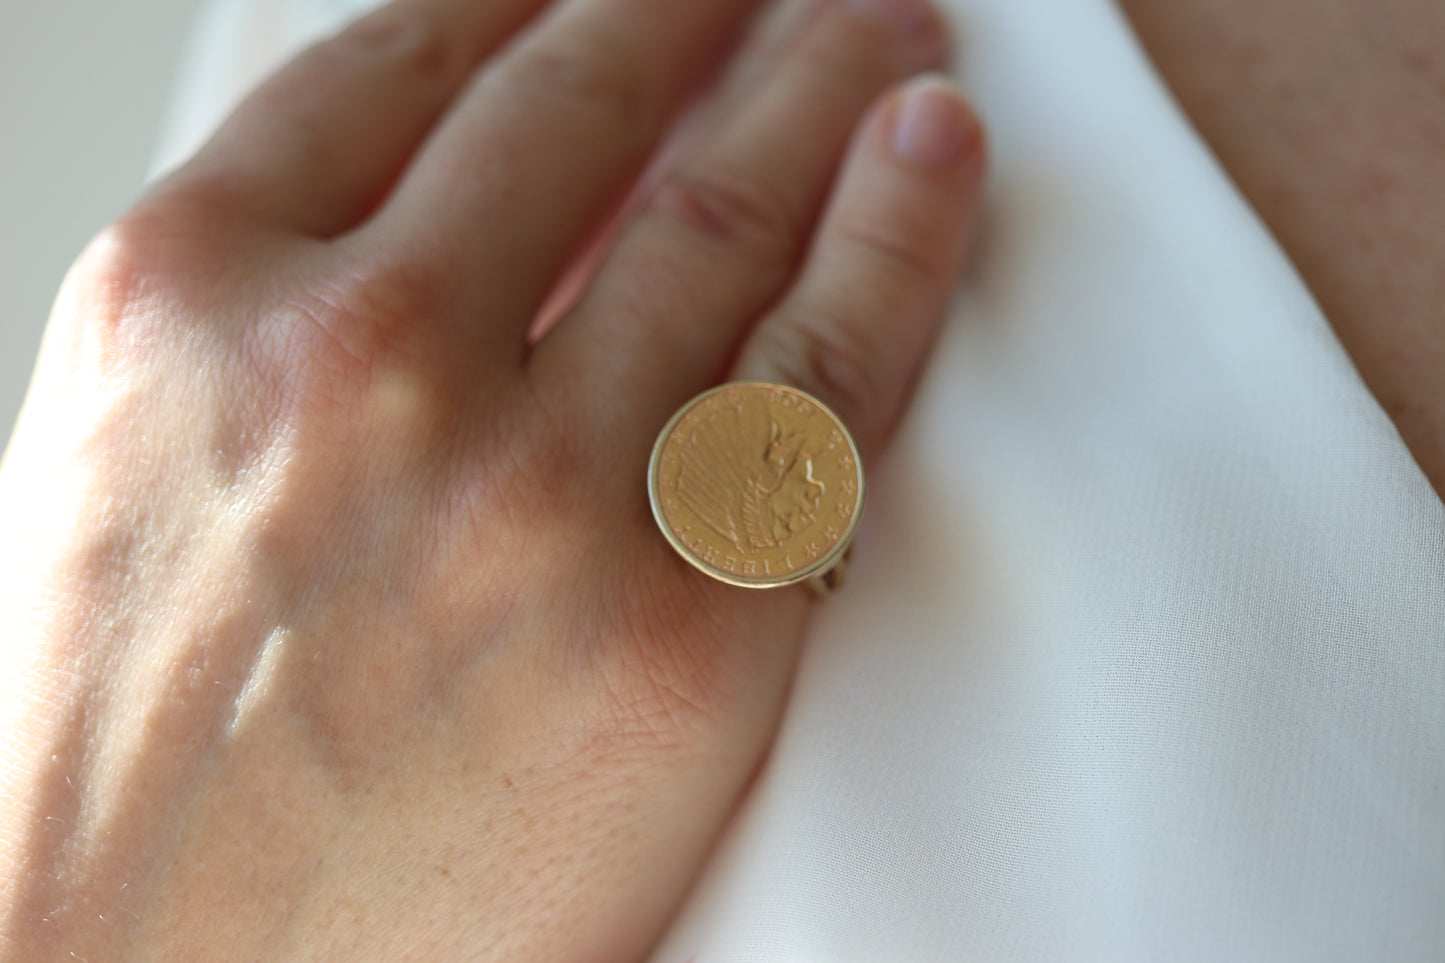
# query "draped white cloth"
(1142, 656)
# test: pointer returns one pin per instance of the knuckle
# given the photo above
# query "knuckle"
(353, 336)
(583, 79)
(895, 253)
(834, 355)
(113, 274)
(123, 283)
(730, 209)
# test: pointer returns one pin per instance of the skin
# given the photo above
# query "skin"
(341, 628)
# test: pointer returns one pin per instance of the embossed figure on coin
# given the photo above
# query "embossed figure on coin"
(748, 479)
(757, 484)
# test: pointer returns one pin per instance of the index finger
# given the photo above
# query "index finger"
(317, 146)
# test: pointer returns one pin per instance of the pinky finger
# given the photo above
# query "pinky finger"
(856, 326)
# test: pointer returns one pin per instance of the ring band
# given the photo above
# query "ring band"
(758, 485)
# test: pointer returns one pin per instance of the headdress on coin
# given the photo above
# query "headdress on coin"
(731, 471)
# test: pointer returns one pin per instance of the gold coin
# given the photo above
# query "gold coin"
(757, 485)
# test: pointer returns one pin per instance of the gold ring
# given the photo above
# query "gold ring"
(758, 485)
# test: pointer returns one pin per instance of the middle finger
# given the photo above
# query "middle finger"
(543, 140)
(719, 236)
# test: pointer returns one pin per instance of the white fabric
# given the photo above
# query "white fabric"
(1143, 653)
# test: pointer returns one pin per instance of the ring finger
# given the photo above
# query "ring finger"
(856, 326)
(719, 237)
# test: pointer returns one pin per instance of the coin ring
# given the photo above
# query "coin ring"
(688, 490)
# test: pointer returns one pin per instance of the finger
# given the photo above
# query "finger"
(317, 146)
(775, 31)
(546, 138)
(720, 235)
(855, 328)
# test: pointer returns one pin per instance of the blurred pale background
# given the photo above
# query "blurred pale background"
(83, 88)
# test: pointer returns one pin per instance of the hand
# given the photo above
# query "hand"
(338, 624)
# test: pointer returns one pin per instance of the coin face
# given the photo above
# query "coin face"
(757, 484)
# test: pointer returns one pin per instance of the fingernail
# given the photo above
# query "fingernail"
(912, 18)
(932, 127)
